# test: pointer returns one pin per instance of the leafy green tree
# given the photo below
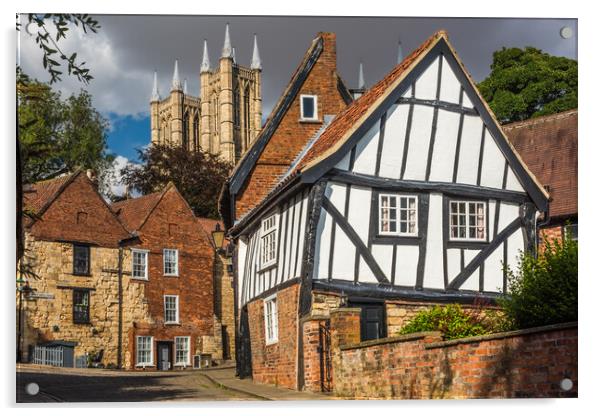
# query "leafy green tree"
(58, 136)
(199, 176)
(543, 291)
(526, 83)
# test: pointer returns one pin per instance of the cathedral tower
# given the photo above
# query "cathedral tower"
(226, 117)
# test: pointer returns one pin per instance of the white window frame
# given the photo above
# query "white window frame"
(398, 220)
(265, 231)
(177, 321)
(140, 251)
(315, 99)
(466, 221)
(271, 336)
(152, 351)
(175, 348)
(177, 254)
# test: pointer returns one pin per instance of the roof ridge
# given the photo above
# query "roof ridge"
(540, 119)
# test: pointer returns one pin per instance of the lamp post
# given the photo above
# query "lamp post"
(217, 236)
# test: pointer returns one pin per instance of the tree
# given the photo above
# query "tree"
(59, 136)
(526, 83)
(543, 291)
(199, 176)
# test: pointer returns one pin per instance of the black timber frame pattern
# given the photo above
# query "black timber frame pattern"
(441, 48)
(252, 155)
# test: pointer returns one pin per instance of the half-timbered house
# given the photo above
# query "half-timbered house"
(411, 195)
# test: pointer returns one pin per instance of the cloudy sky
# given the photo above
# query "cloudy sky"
(128, 48)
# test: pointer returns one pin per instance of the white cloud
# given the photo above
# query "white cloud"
(115, 184)
(115, 88)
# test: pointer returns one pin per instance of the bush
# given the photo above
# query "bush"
(451, 320)
(544, 289)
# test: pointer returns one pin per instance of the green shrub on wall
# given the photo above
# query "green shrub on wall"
(543, 291)
(451, 320)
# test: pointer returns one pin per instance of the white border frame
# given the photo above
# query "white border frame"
(301, 116)
(177, 272)
(466, 201)
(146, 252)
(152, 351)
(175, 348)
(262, 233)
(273, 340)
(396, 233)
(177, 321)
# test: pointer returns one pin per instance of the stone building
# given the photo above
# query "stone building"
(549, 147)
(132, 284)
(226, 116)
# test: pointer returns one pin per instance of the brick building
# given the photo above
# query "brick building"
(133, 284)
(548, 145)
(409, 196)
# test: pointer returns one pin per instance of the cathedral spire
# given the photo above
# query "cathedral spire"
(175, 82)
(227, 49)
(205, 64)
(155, 94)
(399, 53)
(255, 60)
(234, 54)
(360, 81)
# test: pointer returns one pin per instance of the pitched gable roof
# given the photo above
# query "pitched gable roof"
(37, 196)
(549, 146)
(134, 212)
(246, 163)
(349, 126)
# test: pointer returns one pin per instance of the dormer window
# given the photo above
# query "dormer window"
(309, 107)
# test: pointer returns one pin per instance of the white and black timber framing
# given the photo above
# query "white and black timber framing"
(431, 137)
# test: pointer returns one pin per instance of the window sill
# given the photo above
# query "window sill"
(170, 275)
(82, 323)
(310, 120)
(143, 279)
(268, 343)
(172, 323)
(82, 274)
(268, 267)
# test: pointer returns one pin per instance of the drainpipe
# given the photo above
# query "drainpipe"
(119, 306)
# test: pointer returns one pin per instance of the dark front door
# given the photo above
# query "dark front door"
(372, 320)
(164, 356)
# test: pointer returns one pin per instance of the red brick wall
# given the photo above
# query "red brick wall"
(276, 363)
(95, 224)
(291, 135)
(194, 283)
(528, 363)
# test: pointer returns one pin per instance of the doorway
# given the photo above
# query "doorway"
(372, 319)
(164, 354)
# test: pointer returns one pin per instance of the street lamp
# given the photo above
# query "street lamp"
(218, 237)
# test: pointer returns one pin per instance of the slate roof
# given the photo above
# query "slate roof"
(548, 145)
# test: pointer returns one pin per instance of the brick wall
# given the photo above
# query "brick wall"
(528, 363)
(172, 225)
(276, 363)
(291, 135)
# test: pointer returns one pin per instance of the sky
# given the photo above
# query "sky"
(126, 51)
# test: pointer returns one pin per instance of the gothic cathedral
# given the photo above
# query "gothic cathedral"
(224, 120)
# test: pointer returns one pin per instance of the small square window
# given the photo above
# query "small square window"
(170, 262)
(81, 306)
(467, 221)
(309, 107)
(81, 259)
(398, 215)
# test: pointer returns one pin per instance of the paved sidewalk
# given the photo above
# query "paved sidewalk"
(225, 377)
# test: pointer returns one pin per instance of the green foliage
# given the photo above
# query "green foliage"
(40, 27)
(544, 290)
(526, 83)
(59, 135)
(451, 320)
(199, 176)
